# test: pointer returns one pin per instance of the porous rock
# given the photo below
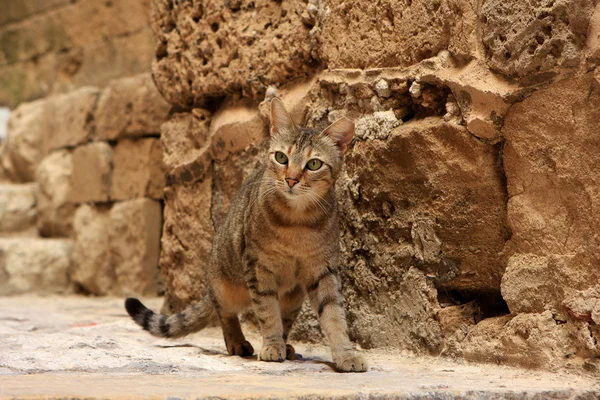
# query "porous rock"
(55, 210)
(211, 49)
(523, 38)
(391, 34)
(135, 231)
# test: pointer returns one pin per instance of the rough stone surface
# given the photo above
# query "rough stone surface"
(523, 38)
(137, 170)
(18, 207)
(91, 179)
(212, 49)
(35, 265)
(130, 107)
(55, 210)
(74, 347)
(93, 269)
(61, 45)
(551, 163)
(135, 230)
(392, 34)
(71, 116)
(25, 144)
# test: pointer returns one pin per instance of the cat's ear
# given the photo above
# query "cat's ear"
(342, 132)
(280, 119)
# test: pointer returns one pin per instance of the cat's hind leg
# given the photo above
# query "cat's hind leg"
(236, 343)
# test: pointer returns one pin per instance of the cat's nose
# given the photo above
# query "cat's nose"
(291, 181)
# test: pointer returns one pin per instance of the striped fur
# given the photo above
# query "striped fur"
(278, 244)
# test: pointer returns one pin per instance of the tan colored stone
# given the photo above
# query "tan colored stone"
(35, 265)
(186, 242)
(522, 38)
(551, 158)
(137, 170)
(71, 116)
(17, 10)
(93, 270)
(364, 34)
(528, 340)
(26, 140)
(92, 173)
(130, 107)
(55, 210)
(135, 232)
(593, 34)
(210, 50)
(458, 318)
(18, 207)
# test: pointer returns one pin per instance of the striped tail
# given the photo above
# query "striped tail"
(193, 319)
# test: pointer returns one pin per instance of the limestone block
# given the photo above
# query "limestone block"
(363, 34)
(18, 207)
(55, 210)
(92, 170)
(186, 242)
(551, 164)
(130, 107)
(93, 270)
(522, 38)
(35, 265)
(593, 36)
(430, 195)
(17, 10)
(135, 245)
(137, 170)
(28, 128)
(71, 117)
(208, 50)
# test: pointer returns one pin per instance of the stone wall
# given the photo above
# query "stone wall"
(54, 46)
(470, 193)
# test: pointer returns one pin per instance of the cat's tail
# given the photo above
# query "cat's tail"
(194, 318)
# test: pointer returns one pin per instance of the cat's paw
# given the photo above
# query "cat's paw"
(242, 349)
(351, 363)
(290, 352)
(272, 353)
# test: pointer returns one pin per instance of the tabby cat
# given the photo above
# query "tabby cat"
(278, 243)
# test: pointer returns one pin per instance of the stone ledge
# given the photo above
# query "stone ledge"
(76, 347)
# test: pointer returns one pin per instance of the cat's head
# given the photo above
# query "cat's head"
(303, 163)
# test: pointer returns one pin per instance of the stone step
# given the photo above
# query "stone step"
(18, 208)
(31, 265)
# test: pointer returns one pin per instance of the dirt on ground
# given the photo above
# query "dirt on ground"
(78, 347)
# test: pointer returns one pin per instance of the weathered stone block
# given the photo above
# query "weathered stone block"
(18, 207)
(363, 34)
(93, 269)
(55, 210)
(137, 170)
(71, 116)
(25, 147)
(208, 50)
(551, 163)
(522, 38)
(130, 107)
(92, 171)
(35, 265)
(135, 232)
(186, 242)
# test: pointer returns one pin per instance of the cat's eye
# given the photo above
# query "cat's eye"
(281, 158)
(314, 164)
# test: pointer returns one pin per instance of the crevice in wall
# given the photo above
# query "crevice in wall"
(489, 303)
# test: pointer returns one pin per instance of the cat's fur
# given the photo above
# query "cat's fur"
(279, 242)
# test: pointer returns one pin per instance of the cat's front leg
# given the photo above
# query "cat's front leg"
(326, 299)
(265, 300)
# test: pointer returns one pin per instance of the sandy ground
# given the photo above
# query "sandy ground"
(77, 347)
